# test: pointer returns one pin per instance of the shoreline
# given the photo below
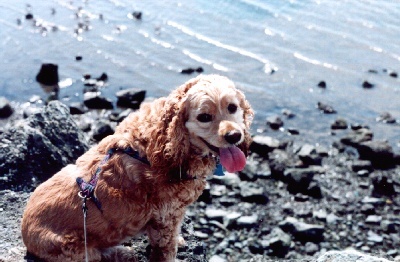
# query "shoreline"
(286, 186)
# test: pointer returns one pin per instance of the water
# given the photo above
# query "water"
(302, 42)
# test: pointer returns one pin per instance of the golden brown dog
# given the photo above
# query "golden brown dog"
(181, 136)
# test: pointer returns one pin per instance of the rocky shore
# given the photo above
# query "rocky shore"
(293, 201)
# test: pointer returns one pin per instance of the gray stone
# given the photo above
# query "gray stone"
(253, 193)
(374, 237)
(94, 100)
(247, 221)
(215, 214)
(262, 145)
(278, 242)
(373, 219)
(47, 141)
(302, 231)
(348, 256)
(130, 98)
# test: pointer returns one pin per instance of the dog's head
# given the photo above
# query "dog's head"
(208, 115)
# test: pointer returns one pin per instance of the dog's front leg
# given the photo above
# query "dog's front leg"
(163, 233)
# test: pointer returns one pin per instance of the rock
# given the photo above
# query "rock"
(373, 237)
(348, 256)
(93, 100)
(253, 193)
(359, 165)
(48, 77)
(101, 129)
(247, 221)
(136, 14)
(300, 180)
(77, 108)
(379, 152)
(215, 214)
(357, 136)
(47, 141)
(279, 161)
(293, 131)
(302, 231)
(229, 179)
(29, 16)
(388, 226)
(339, 123)
(367, 209)
(322, 84)
(382, 186)
(217, 258)
(320, 215)
(288, 113)
(190, 70)
(386, 117)
(278, 242)
(130, 98)
(325, 108)
(311, 248)
(274, 122)
(308, 155)
(5, 108)
(367, 84)
(373, 219)
(373, 201)
(393, 74)
(263, 145)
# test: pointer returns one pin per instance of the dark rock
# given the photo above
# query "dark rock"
(137, 15)
(263, 145)
(393, 74)
(388, 226)
(308, 155)
(130, 98)
(322, 84)
(299, 180)
(29, 16)
(274, 122)
(190, 70)
(47, 141)
(386, 117)
(77, 108)
(382, 186)
(278, 242)
(302, 231)
(253, 193)
(373, 71)
(5, 108)
(101, 130)
(357, 136)
(103, 77)
(48, 75)
(326, 109)
(215, 214)
(118, 117)
(93, 100)
(339, 123)
(78, 58)
(367, 84)
(367, 209)
(206, 195)
(380, 153)
(288, 113)
(293, 131)
(279, 161)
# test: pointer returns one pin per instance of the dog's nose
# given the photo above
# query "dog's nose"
(232, 137)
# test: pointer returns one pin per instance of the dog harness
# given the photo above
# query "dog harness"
(87, 188)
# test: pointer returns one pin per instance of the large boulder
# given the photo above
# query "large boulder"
(36, 148)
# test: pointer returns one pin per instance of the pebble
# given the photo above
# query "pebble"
(253, 193)
(215, 214)
(373, 219)
(373, 237)
(248, 221)
(339, 123)
(274, 122)
(5, 108)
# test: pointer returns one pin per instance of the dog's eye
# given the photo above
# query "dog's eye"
(232, 108)
(204, 118)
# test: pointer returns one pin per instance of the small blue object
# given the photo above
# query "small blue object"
(218, 170)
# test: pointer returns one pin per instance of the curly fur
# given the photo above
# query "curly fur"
(136, 197)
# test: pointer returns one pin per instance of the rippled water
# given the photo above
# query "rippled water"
(301, 42)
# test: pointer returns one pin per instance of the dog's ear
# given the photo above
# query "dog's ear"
(169, 147)
(248, 115)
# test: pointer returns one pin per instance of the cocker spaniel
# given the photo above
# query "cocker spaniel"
(142, 177)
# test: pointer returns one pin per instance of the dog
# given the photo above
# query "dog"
(177, 141)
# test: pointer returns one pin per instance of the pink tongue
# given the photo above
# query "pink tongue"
(232, 158)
